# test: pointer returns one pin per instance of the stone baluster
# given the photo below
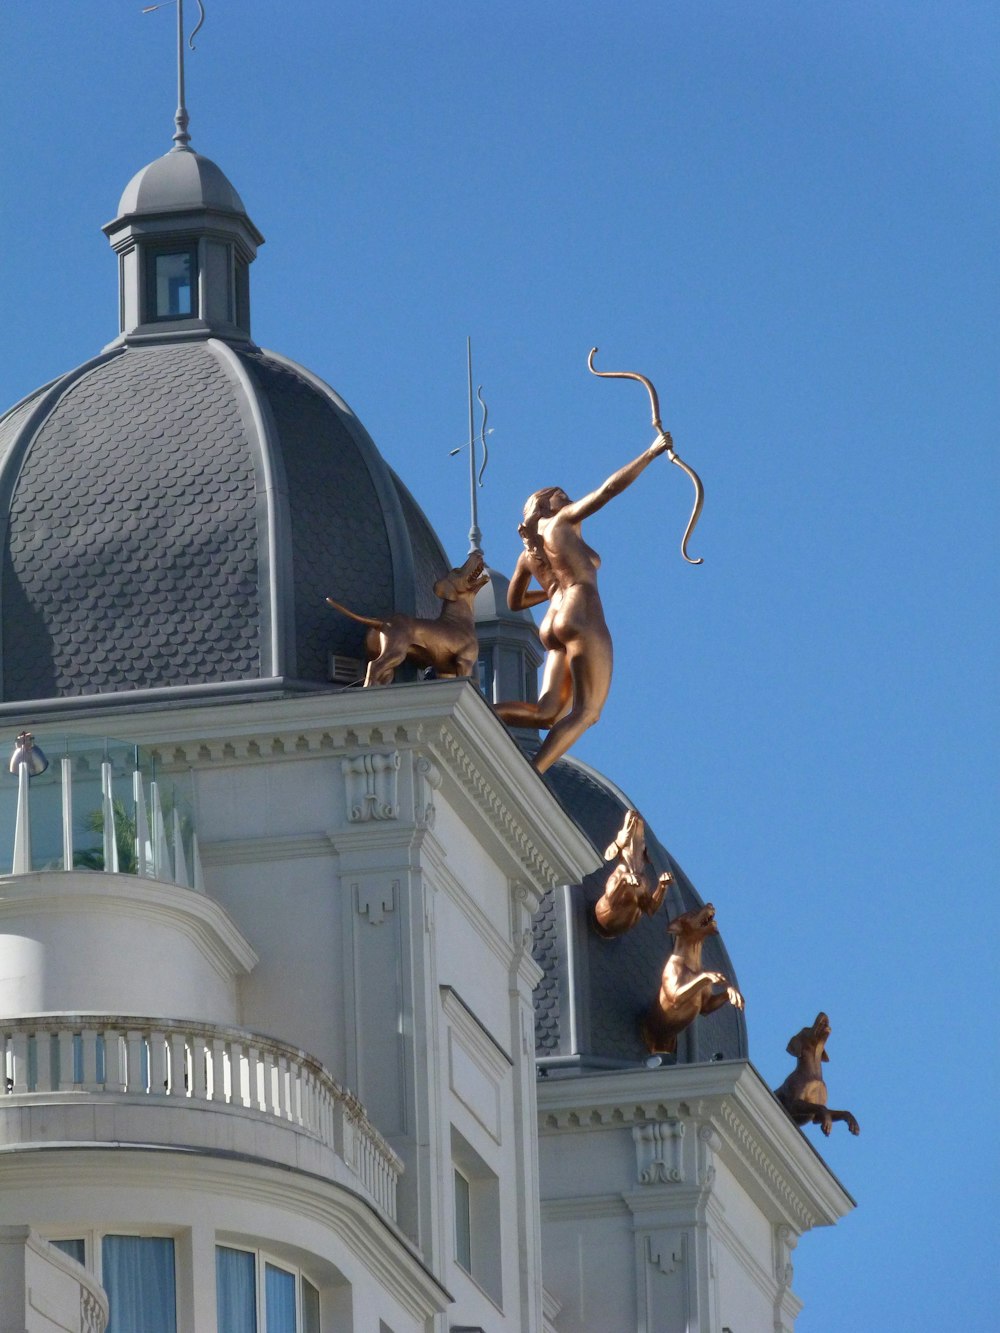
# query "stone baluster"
(157, 1063)
(135, 1051)
(88, 1040)
(199, 1067)
(178, 1065)
(65, 1063)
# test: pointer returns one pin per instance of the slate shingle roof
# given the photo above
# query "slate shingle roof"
(137, 552)
(617, 978)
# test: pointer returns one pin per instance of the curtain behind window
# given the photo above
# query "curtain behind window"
(235, 1290)
(279, 1298)
(138, 1275)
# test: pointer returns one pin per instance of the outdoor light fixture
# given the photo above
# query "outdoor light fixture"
(27, 752)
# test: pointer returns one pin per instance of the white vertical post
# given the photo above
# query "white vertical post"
(110, 841)
(198, 874)
(22, 825)
(180, 864)
(143, 847)
(66, 773)
(161, 852)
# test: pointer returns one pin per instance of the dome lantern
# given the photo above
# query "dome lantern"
(185, 245)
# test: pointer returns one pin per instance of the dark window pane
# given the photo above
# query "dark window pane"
(310, 1308)
(463, 1222)
(74, 1248)
(173, 284)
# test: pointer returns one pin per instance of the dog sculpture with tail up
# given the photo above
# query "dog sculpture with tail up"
(686, 988)
(448, 644)
(803, 1093)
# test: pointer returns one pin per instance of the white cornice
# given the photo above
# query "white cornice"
(483, 772)
(763, 1148)
(379, 1247)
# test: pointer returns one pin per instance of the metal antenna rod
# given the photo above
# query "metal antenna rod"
(475, 536)
(181, 117)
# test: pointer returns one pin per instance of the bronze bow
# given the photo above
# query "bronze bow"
(699, 490)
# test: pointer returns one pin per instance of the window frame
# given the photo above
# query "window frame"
(262, 1259)
(151, 254)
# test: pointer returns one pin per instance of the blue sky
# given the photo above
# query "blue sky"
(784, 214)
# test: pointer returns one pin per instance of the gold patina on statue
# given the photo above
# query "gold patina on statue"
(686, 989)
(577, 674)
(448, 644)
(803, 1093)
(632, 891)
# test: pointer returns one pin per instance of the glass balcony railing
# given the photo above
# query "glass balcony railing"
(82, 803)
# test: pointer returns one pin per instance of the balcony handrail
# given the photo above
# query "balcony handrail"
(126, 1055)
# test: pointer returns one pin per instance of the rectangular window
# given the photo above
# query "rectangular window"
(310, 1308)
(243, 295)
(235, 1290)
(254, 1294)
(137, 1272)
(279, 1299)
(76, 1249)
(172, 277)
(463, 1221)
(477, 1217)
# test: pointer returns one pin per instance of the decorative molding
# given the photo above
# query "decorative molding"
(665, 1251)
(484, 795)
(371, 782)
(785, 1241)
(708, 1145)
(375, 903)
(255, 851)
(658, 1156)
(604, 1117)
(428, 780)
(574, 1209)
(766, 1168)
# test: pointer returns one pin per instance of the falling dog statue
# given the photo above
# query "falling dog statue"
(631, 889)
(448, 644)
(803, 1093)
(686, 989)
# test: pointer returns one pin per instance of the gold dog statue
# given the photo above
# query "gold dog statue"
(448, 644)
(686, 988)
(803, 1093)
(631, 890)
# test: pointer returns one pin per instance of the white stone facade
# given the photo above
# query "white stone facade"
(327, 1057)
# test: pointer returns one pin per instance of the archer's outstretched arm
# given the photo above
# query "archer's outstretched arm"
(615, 484)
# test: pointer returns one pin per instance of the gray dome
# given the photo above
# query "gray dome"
(595, 990)
(181, 181)
(176, 515)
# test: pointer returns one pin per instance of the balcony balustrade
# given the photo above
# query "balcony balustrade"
(136, 1065)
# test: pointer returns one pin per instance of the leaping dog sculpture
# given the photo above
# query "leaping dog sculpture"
(631, 889)
(803, 1093)
(686, 988)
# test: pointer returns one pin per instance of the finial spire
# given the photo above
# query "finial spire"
(181, 117)
(475, 536)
